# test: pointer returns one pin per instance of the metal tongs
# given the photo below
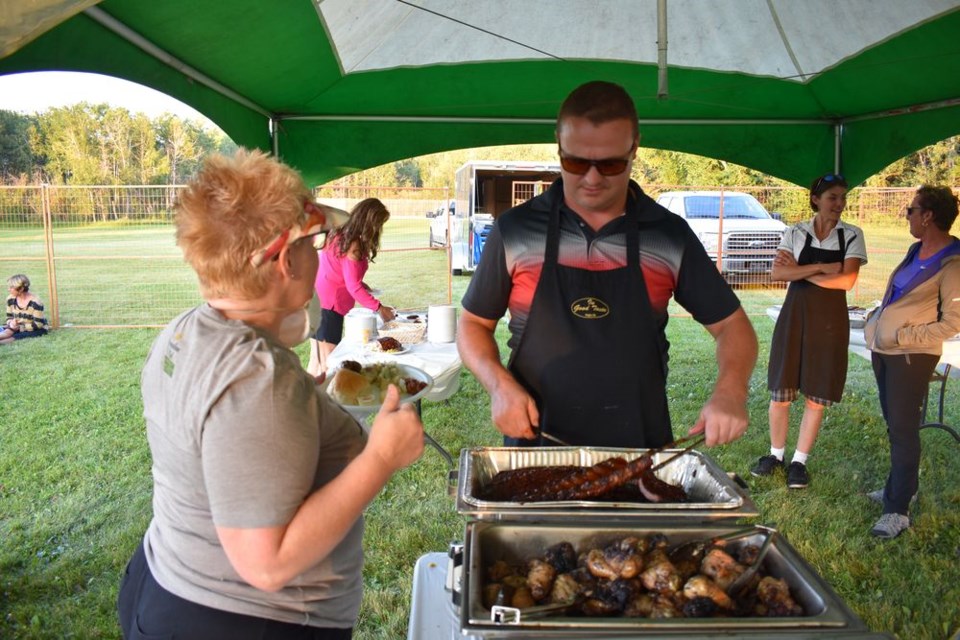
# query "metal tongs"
(697, 440)
(500, 614)
(744, 579)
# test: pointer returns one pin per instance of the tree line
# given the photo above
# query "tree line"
(97, 144)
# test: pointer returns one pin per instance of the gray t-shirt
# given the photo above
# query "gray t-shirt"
(240, 438)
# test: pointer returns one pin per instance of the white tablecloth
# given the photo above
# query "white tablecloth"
(858, 346)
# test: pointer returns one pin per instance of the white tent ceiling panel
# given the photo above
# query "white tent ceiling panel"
(776, 38)
(824, 33)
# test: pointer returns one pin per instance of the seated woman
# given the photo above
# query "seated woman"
(260, 482)
(25, 317)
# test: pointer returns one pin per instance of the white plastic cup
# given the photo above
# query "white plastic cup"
(442, 323)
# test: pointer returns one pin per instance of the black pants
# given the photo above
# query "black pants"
(902, 382)
(148, 611)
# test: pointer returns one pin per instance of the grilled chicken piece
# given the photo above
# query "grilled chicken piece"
(721, 567)
(598, 566)
(774, 599)
(565, 588)
(624, 558)
(640, 607)
(540, 576)
(747, 554)
(610, 598)
(562, 557)
(701, 586)
(499, 570)
(618, 560)
(699, 607)
(660, 575)
(495, 593)
(522, 598)
(665, 606)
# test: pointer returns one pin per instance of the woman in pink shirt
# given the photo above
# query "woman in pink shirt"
(343, 263)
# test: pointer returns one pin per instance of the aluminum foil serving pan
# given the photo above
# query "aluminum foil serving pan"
(712, 493)
(821, 611)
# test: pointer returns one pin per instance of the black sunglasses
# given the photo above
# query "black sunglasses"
(910, 210)
(606, 166)
(830, 177)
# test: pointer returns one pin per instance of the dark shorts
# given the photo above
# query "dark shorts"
(147, 610)
(20, 335)
(331, 327)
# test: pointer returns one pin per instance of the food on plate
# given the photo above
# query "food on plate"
(611, 479)
(632, 576)
(346, 385)
(367, 385)
(387, 345)
(413, 318)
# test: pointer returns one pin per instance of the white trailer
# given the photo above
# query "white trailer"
(483, 190)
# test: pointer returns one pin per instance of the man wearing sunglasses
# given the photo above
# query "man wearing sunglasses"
(586, 271)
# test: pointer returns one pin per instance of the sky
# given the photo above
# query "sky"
(35, 92)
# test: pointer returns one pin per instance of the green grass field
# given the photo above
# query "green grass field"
(75, 490)
(112, 274)
(75, 469)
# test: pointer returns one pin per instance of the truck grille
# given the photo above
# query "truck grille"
(752, 243)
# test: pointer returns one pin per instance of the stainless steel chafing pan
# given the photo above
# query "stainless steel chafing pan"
(486, 542)
(713, 494)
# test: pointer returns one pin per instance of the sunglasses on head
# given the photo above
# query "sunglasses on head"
(829, 178)
(606, 166)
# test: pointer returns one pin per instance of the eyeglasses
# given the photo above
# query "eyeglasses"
(606, 166)
(830, 177)
(910, 210)
(312, 221)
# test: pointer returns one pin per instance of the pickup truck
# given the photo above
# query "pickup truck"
(443, 224)
(743, 240)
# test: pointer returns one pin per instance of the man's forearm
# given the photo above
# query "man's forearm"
(736, 354)
(481, 355)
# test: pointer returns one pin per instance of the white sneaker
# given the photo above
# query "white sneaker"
(890, 525)
(877, 496)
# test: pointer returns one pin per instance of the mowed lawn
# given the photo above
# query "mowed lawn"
(75, 468)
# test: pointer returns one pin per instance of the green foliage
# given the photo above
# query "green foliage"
(16, 156)
(99, 144)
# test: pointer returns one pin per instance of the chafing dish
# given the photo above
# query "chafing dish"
(714, 495)
(487, 542)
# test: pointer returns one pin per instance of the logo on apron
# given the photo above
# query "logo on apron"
(589, 308)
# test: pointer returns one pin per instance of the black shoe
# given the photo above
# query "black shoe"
(766, 465)
(797, 476)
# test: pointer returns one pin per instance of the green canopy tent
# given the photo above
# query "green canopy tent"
(792, 88)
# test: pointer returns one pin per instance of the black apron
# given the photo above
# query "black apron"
(590, 353)
(809, 347)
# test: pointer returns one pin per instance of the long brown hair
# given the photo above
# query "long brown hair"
(364, 228)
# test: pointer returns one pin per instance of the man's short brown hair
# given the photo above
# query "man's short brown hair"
(599, 102)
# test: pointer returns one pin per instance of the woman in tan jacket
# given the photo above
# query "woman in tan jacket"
(920, 309)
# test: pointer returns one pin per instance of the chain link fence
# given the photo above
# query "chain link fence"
(105, 256)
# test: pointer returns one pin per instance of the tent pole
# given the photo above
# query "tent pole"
(549, 121)
(662, 49)
(274, 125)
(838, 147)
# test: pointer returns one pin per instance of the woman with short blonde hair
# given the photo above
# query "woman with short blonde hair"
(260, 480)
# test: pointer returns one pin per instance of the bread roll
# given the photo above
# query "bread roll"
(346, 385)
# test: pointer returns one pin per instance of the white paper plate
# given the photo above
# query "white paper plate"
(374, 347)
(407, 372)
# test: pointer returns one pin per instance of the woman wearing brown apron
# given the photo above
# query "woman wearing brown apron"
(821, 259)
